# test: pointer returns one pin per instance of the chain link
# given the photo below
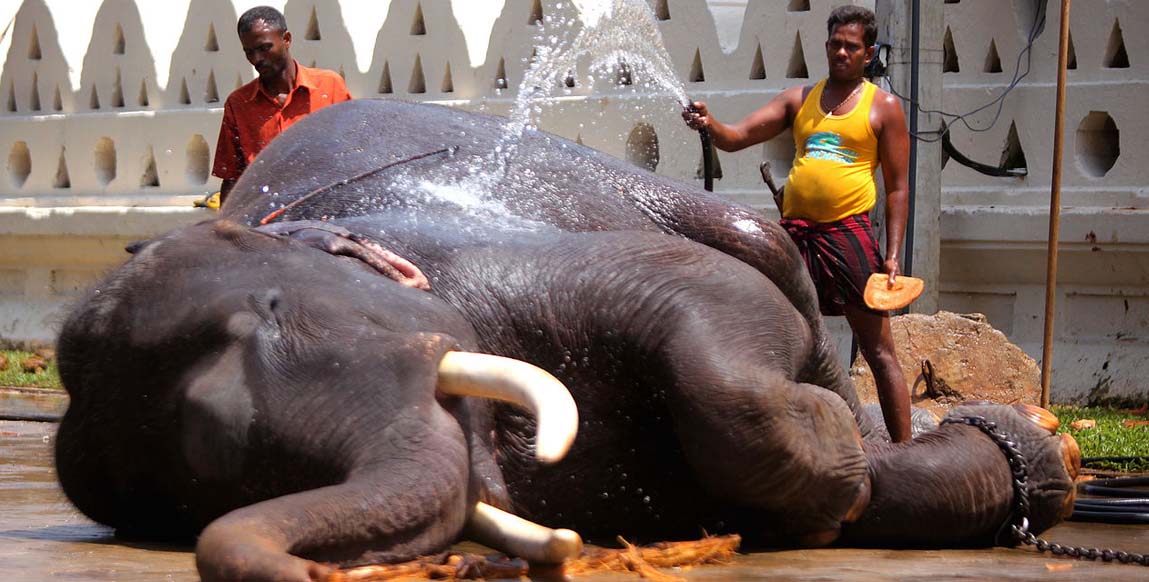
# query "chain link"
(1018, 522)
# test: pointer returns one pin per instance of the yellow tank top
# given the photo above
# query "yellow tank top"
(833, 172)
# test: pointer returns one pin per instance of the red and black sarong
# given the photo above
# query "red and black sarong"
(840, 257)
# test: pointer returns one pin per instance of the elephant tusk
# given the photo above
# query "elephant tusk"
(516, 536)
(517, 382)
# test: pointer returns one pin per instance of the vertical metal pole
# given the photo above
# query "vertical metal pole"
(1054, 205)
(915, 58)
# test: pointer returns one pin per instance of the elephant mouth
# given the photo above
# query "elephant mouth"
(516, 382)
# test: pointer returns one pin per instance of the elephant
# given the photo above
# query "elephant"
(376, 350)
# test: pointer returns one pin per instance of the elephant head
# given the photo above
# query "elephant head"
(290, 416)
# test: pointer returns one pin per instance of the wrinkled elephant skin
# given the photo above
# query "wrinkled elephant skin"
(276, 389)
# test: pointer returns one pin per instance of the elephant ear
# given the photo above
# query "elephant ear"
(216, 415)
(339, 241)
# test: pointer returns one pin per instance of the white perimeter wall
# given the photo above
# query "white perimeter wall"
(109, 113)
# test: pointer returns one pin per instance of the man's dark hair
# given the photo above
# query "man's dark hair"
(269, 15)
(854, 14)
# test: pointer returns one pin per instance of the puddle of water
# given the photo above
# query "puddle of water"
(43, 538)
(31, 404)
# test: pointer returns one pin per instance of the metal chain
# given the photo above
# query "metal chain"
(1018, 521)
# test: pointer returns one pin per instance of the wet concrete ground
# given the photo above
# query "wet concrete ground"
(43, 538)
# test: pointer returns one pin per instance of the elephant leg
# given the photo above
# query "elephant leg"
(957, 480)
(764, 442)
(384, 515)
(766, 246)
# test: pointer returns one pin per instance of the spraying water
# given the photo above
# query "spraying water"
(621, 41)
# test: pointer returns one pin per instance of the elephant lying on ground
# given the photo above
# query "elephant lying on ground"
(309, 392)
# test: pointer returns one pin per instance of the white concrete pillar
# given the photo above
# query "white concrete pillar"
(895, 28)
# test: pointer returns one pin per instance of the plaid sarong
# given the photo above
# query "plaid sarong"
(840, 257)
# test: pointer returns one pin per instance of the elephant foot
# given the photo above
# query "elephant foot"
(857, 509)
(223, 555)
(955, 486)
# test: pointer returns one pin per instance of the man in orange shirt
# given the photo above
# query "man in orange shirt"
(844, 128)
(284, 93)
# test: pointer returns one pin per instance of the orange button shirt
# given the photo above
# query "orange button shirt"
(252, 117)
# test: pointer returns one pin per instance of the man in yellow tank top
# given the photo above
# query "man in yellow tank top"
(844, 128)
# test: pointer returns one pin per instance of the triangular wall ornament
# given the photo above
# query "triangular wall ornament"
(211, 45)
(418, 84)
(385, 79)
(211, 92)
(119, 45)
(34, 53)
(758, 66)
(94, 99)
(1071, 60)
(949, 54)
(1012, 154)
(797, 68)
(992, 60)
(798, 6)
(197, 156)
(448, 84)
(151, 177)
(12, 97)
(662, 9)
(697, 74)
(501, 74)
(118, 91)
(578, 138)
(185, 97)
(57, 100)
(536, 17)
(418, 26)
(34, 98)
(142, 99)
(62, 179)
(313, 27)
(1116, 56)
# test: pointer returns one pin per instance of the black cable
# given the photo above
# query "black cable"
(1018, 75)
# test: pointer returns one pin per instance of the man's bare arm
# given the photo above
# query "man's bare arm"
(894, 156)
(761, 125)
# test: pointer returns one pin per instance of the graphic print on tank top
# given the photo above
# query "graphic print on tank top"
(827, 145)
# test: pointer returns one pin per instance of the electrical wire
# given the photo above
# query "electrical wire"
(1025, 53)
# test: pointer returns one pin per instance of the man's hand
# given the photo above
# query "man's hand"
(697, 116)
(891, 268)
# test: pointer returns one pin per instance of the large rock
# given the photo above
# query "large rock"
(970, 360)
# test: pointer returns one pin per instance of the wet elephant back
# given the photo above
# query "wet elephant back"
(364, 156)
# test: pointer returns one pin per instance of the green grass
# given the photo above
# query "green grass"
(16, 376)
(1109, 438)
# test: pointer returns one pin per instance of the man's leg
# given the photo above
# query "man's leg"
(877, 344)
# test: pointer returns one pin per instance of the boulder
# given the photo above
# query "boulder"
(948, 358)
